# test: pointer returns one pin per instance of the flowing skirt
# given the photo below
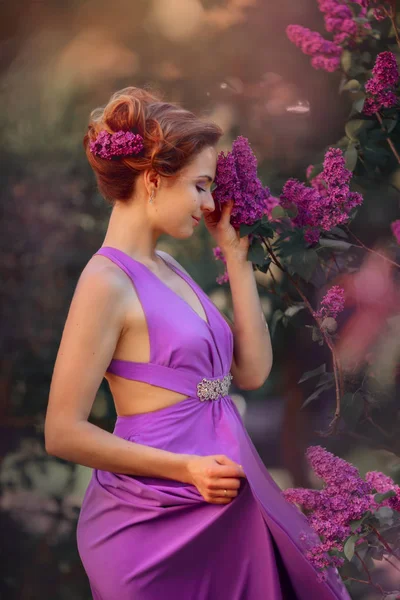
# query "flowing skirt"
(141, 538)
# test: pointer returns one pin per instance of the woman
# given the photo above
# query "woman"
(180, 505)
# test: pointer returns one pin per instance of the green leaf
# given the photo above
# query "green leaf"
(256, 253)
(356, 524)
(276, 317)
(304, 263)
(246, 229)
(351, 157)
(316, 393)
(346, 60)
(390, 124)
(339, 245)
(264, 268)
(278, 212)
(318, 371)
(351, 408)
(381, 497)
(357, 106)
(354, 126)
(266, 230)
(378, 135)
(292, 212)
(339, 232)
(352, 85)
(349, 547)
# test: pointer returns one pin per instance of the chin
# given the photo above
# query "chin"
(183, 234)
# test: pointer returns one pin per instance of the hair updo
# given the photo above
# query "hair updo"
(172, 137)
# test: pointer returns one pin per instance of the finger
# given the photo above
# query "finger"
(221, 500)
(226, 483)
(220, 493)
(230, 471)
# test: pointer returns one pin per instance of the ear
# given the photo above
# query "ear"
(152, 180)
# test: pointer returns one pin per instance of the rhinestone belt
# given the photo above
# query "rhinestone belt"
(211, 389)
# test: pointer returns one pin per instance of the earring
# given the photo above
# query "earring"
(151, 196)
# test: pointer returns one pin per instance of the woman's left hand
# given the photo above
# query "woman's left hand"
(226, 236)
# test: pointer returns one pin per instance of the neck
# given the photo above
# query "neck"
(129, 230)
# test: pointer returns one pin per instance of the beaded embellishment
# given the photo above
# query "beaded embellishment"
(211, 389)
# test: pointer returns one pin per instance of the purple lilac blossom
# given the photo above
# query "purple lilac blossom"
(328, 202)
(339, 20)
(383, 483)
(395, 227)
(344, 498)
(121, 143)
(381, 87)
(379, 12)
(236, 178)
(218, 255)
(325, 54)
(332, 303)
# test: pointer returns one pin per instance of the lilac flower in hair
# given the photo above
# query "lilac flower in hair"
(121, 143)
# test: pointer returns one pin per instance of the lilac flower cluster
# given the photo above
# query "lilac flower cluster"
(325, 54)
(383, 483)
(317, 182)
(395, 227)
(381, 87)
(332, 303)
(218, 255)
(121, 143)
(236, 179)
(322, 211)
(339, 20)
(379, 11)
(345, 497)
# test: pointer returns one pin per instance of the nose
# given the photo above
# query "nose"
(208, 204)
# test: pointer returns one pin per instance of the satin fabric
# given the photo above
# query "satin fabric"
(142, 538)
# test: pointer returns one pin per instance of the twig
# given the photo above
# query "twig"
(362, 245)
(332, 428)
(375, 585)
(384, 542)
(388, 139)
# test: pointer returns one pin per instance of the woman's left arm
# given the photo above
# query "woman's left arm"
(252, 350)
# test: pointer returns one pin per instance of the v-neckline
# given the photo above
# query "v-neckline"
(180, 274)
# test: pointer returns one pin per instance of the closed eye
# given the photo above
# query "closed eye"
(200, 189)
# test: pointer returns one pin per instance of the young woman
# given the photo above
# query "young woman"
(180, 505)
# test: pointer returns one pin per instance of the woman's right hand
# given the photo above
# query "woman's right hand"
(211, 475)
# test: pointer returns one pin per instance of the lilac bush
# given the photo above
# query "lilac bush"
(343, 512)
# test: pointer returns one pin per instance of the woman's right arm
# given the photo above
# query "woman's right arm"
(94, 324)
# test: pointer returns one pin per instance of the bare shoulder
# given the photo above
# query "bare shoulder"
(172, 260)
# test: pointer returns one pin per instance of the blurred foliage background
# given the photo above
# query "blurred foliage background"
(228, 59)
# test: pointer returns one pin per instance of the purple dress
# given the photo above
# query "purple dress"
(142, 538)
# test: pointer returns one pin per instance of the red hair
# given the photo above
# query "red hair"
(172, 138)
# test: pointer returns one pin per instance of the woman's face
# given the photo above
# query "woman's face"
(179, 200)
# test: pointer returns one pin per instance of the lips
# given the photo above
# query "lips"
(196, 219)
